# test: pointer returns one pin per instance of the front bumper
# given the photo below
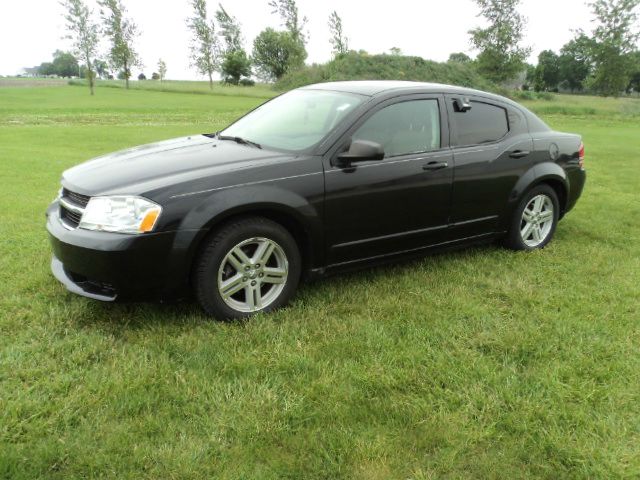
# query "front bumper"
(109, 266)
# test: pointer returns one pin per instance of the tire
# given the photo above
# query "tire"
(535, 220)
(231, 278)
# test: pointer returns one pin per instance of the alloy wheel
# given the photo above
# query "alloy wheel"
(537, 221)
(253, 274)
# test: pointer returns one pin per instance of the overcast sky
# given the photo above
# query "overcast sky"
(30, 30)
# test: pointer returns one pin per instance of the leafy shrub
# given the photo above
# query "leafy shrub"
(247, 82)
(529, 95)
(361, 66)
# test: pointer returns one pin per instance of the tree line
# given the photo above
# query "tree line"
(216, 43)
(608, 61)
(605, 60)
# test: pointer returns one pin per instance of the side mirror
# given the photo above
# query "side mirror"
(360, 151)
(461, 105)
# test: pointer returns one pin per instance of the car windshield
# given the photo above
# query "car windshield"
(296, 120)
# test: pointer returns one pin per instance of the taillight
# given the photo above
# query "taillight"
(581, 155)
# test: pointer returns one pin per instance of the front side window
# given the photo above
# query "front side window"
(404, 128)
(484, 123)
(296, 120)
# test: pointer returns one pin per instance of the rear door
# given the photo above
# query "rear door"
(492, 148)
(400, 203)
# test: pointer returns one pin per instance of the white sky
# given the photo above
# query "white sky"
(30, 30)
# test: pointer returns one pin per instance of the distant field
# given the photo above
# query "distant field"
(12, 82)
(586, 106)
(481, 363)
(195, 87)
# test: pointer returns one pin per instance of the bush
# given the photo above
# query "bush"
(247, 82)
(529, 95)
(361, 66)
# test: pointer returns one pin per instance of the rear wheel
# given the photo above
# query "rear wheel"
(250, 265)
(534, 221)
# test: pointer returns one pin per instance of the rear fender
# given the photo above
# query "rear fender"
(537, 174)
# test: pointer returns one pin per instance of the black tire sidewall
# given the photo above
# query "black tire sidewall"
(514, 238)
(213, 253)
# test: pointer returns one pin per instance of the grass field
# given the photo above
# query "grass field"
(481, 363)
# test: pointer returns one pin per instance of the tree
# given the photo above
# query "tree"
(615, 38)
(121, 32)
(530, 77)
(235, 61)
(230, 30)
(162, 70)
(142, 76)
(276, 53)
(634, 81)
(288, 11)
(575, 61)
(501, 57)
(396, 51)
(155, 76)
(101, 68)
(547, 75)
(459, 57)
(46, 68)
(205, 49)
(65, 64)
(235, 65)
(339, 41)
(84, 34)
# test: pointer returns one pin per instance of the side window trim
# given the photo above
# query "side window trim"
(357, 123)
(453, 128)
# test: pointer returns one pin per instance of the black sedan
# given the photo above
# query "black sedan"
(322, 178)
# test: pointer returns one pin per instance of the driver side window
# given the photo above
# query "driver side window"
(404, 128)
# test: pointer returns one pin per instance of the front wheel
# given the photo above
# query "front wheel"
(534, 221)
(250, 265)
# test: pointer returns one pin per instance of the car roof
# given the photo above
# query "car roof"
(377, 87)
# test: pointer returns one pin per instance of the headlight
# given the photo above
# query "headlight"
(120, 214)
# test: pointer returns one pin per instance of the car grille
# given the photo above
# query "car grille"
(76, 198)
(72, 206)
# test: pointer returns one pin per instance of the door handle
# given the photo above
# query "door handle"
(435, 166)
(519, 153)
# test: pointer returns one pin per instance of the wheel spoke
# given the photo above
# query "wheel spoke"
(238, 259)
(263, 252)
(526, 231)
(538, 204)
(253, 296)
(527, 215)
(231, 286)
(274, 275)
(537, 233)
(546, 215)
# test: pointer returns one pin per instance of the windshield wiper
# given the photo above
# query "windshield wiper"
(240, 140)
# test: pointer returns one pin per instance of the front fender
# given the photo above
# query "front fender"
(208, 210)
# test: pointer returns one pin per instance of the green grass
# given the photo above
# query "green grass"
(481, 363)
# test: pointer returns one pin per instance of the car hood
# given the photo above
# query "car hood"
(146, 167)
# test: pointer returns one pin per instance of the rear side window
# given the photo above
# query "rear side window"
(404, 128)
(484, 123)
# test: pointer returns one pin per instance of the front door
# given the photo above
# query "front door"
(400, 203)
